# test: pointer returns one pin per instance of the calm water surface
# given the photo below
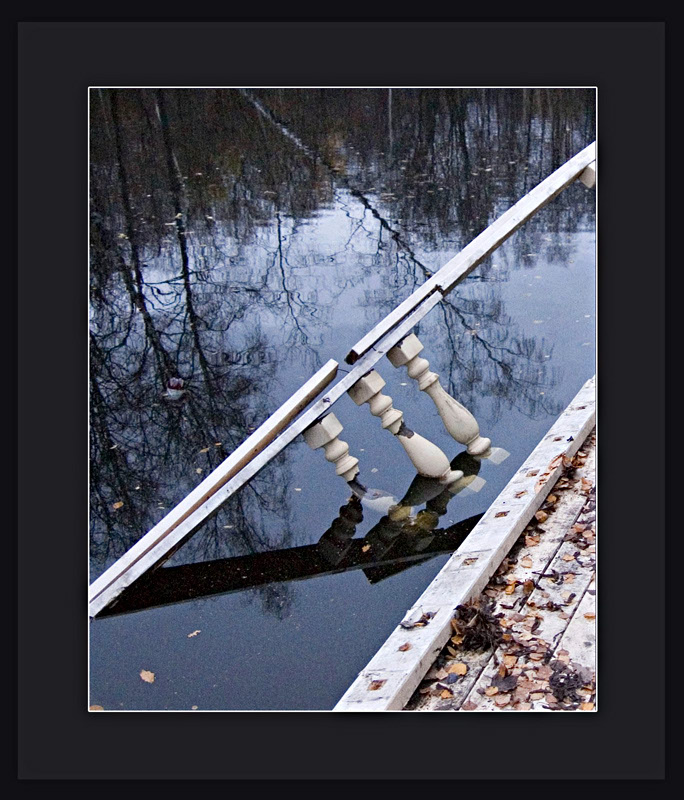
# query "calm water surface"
(240, 239)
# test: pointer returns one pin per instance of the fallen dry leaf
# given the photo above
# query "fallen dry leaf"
(375, 685)
(510, 661)
(446, 693)
(96, 708)
(526, 562)
(365, 548)
(501, 514)
(590, 616)
(490, 691)
(459, 669)
(468, 706)
(194, 633)
(118, 504)
(586, 706)
(541, 516)
(404, 647)
(147, 676)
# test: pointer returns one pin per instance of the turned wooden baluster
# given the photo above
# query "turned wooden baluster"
(426, 457)
(460, 423)
(324, 434)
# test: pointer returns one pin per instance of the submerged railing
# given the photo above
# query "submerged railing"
(392, 337)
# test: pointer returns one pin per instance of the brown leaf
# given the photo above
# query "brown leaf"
(365, 548)
(469, 706)
(528, 587)
(590, 616)
(96, 708)
(404, 647)
(526, 562)
(459, 669)
(375, 685)
(194, 633)
(510, 661)
(147, 676)
(118, 504)
(502, 700)
(446, 693)
(490, 691)
(520, 494)
(586, 706)
(501, 514)
(541, 516)
(531, 541)
(551, 498)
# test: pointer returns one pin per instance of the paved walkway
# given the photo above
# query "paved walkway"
(528, 642)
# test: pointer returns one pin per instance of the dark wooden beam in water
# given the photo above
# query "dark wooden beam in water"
(392, 546)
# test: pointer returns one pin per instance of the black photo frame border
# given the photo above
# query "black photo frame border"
(56, 736)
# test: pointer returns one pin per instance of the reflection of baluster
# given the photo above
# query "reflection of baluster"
(324, 434)
(426, 457)
(336, 541)
(460, 423)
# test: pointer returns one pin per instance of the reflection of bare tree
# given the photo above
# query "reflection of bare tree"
(201, 267)
(146, 452)
(490, 361)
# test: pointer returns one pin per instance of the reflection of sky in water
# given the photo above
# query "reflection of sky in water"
(514, 343)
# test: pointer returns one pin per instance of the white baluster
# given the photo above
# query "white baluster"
(460, 423)
(588, 177)
(324, 434)
(425, 456)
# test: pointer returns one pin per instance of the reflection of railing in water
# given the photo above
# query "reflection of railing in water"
(390, 335)
(399, 540)
(402, 549)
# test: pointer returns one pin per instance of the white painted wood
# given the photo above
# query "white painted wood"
(579, 638)
(588, 177)
(392, 675)
(480, 247)
(459, 422)
(150, 551)
(325, 433)
(425, 456)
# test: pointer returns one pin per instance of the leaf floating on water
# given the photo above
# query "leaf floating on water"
(365, 548)
(96, 708)
(118, 504)
(194, 708)
(204, 450)
(199, 470)
(194, 633)
(147, 676)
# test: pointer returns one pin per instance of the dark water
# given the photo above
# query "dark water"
(241, 239)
